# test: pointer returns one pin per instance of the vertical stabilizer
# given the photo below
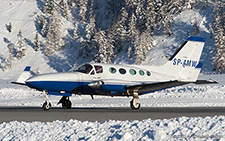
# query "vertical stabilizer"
(184, 63)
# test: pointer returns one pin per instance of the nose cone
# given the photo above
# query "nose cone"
(55, 82)
(36, 82)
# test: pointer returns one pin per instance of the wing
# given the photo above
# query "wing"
(144, 88)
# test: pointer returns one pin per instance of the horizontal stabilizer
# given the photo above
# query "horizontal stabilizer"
(206, 82)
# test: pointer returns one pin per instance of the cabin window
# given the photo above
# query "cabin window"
(141, 72)
(86, 68)
(112, 70)
(148, 73)
(122, 71)
(98, 69)
(132, 71)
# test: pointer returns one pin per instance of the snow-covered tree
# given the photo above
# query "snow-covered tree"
(43, 25)
(20, 46)
(105, 52)
(142, 45)
(41, 21)
(132, 34)
(65, 7)
(9, 27)
(8, 62)
(54, 41)
(91, 28)
(219, 34)
(118, 32)
(196, 27)
(76, 31)
(49, 7)
(83, 10)
(36, 42)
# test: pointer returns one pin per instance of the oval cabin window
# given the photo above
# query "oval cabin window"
(112, 70)
(148, 73)
(141, 72)
(132, 72)
(122, 71)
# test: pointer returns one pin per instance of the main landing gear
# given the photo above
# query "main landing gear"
(135, 102)
(66, 103)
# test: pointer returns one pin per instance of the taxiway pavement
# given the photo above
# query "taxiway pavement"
(30, 114)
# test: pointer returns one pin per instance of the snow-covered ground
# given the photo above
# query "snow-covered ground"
(182, 128)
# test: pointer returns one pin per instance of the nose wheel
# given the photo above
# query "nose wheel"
(46, 105)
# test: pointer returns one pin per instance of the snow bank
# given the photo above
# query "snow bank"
(184, 128)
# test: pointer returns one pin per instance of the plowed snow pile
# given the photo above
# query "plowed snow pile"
(184, 128)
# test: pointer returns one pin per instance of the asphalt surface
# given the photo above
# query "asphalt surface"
(30, 114)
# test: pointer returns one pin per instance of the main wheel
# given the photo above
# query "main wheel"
(46, 106)
(134, 106)
(66, 104)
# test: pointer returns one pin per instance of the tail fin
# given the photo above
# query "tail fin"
(24, 76)
(185, 61)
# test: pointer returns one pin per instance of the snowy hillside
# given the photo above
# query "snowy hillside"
(24, 15)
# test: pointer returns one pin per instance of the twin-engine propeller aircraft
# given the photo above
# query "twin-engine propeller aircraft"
(120, 80)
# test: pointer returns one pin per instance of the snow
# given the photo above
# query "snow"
(23, 16)
(182, 128)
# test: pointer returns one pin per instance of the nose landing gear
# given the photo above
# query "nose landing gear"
(46, 105)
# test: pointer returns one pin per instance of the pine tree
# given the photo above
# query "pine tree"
(118, 32)
(54, 41)
(43, 24)
(36, 42)
(41, 21)
(83, 10)
(20, 46)
(132, 33)
(65, 7)
(196, 27)
(9, 28)
(105, 51)
(219, 28)
(8, 62)
(49, 7)
(142, 45)
(91, 28)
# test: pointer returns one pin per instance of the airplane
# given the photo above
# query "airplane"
(183, 67)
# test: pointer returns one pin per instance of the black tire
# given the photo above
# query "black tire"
(46, 107)
(66, 104)
(134, 107)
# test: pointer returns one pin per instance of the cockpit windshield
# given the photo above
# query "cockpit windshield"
(86, 68)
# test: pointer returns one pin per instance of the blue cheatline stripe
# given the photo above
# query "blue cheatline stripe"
(198, 39)
(27, 68)
(68, 87)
